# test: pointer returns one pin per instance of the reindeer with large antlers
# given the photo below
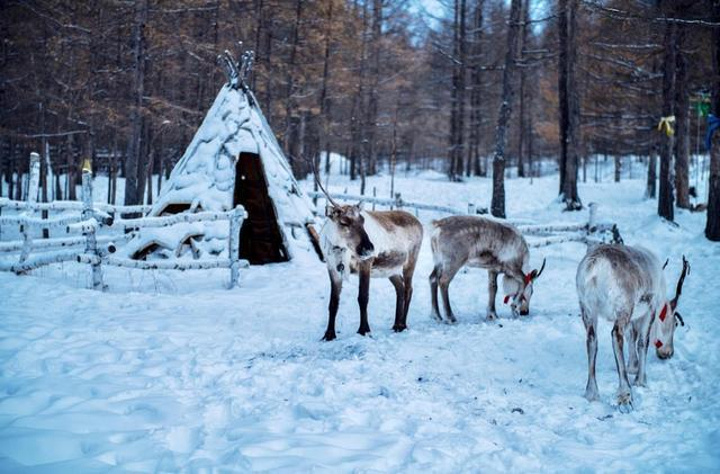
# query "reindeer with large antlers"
(378, 244)
(626, 286)
(478, 242)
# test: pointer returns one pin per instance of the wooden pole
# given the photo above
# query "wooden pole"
(33, 183)
(91, 247)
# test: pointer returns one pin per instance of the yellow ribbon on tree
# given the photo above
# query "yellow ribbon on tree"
(87, 165)
(665, 125)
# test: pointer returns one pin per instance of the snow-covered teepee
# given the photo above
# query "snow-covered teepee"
(233, 159)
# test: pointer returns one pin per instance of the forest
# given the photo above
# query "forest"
(469, 88)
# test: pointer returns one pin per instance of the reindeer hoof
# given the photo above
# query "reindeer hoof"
(436, 317)
(638, 382)
(399, 327)
(451, 319)
(491, 316)
(624, 401)
(364, 331)
(329, 336)
(591, 394)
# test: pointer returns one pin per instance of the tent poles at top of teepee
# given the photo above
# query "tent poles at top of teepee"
(237, 71)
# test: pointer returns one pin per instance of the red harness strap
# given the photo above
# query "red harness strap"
(528, 278)
(658, 344)
(663, 313)
(507, 298)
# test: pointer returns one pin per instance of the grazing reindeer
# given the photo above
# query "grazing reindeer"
(370, 244)
(626, 286)
(479, 242)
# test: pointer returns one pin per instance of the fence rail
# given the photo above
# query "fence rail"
(588, 232)
(97, 250)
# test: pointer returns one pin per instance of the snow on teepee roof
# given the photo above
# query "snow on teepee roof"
(204, 179)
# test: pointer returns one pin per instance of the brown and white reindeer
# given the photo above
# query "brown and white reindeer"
(626, 286)
(478, 242)
(377, 244)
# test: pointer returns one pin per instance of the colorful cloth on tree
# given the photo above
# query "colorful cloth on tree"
(665, 124)
(713, 124)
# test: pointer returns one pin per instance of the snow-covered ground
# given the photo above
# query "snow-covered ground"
(169, 372)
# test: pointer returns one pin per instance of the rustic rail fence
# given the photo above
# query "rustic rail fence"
(96, 249)
(543, 235)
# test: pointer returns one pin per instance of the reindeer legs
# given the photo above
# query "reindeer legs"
(444, 281)
(624, 396)
(407, 279)
(335, 289)
(641, 345)
(434, 277)
(492, 292)
(633, 332)
(399, 285)
(363, 297)
(591, 390)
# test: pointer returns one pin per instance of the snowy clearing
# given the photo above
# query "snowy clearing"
(169, 372)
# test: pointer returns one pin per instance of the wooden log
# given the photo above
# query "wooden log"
(60, 243)
(201, 264)
(37, 261)
(88, 213)
(236, 219)
(33, 183)
(164, 221)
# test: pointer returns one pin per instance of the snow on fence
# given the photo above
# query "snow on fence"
(98, 249)
(543, 235)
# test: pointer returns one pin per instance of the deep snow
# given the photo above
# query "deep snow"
(169, 372)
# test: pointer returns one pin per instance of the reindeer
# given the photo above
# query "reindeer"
(478, 242)
(626, 286)
(382, 244)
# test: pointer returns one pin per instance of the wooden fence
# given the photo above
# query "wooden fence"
(542, 235)
(96, 249)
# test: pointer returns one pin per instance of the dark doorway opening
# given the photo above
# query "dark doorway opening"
(260, 238)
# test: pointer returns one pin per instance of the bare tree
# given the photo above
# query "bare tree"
(712, 227)
(497, 204)
(682, 117)
(569, 104)
(135, 141)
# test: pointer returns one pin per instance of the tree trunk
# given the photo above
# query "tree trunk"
(476, 91)
(665, 196)
(370, 146)
(290, 103)
(523, 122)
(569, 105)
(324, 99)
(650, 190)
(134, 149)
(712, 227)
(682, 130)
(452, 172)
(508, 93)
(618, 167)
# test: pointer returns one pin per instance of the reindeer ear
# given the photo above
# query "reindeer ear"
(359, 206)
(333, 212)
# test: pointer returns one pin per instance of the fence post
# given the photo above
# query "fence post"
(374, 195)
(88, 213)
(472, 210)
(592, 217)
(236, 217)
(33, 186)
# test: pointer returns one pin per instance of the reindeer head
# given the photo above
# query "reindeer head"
(350, 232)
(521, 295)
(668, 319)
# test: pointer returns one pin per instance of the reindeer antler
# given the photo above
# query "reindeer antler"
(536, 273)
(322, 188)
(681, 280)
